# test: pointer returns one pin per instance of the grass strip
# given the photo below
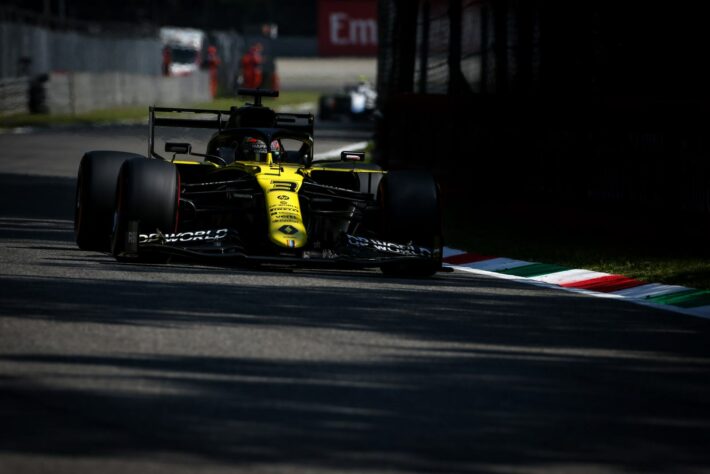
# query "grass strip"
(285, 99)
(138, 113)
(671, 248)
(116, 114)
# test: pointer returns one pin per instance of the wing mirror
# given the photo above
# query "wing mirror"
(179, 148)
(352, 156)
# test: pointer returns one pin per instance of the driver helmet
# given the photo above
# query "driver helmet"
(253, 149)
(276, 149)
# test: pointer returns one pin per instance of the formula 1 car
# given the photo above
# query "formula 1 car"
(256, 196)
(356, 102)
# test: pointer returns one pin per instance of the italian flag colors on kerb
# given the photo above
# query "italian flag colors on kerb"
(676, 298)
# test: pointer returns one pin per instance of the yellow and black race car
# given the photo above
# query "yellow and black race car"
(256, 195)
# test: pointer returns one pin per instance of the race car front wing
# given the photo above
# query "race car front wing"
(225, 245)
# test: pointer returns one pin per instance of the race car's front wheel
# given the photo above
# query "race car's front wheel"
(96, 198)
(147, 199)
(411, 213)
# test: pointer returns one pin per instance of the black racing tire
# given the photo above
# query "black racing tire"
(147, 193)
(411, 212)
(95, 199)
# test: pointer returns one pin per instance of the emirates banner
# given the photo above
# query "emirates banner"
(347, 27)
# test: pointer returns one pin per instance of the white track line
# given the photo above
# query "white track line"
(357, 146)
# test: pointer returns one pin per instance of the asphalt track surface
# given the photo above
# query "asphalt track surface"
(115, 368)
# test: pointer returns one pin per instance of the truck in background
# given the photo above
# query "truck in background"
(182, 50)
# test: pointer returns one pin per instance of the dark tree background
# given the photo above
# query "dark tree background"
(579, 104)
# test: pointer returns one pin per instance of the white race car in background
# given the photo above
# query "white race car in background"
(356, 102)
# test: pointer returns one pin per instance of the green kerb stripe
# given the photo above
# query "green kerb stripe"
(533, 270)
(684, 299)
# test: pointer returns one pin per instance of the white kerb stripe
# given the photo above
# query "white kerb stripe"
(703, 311)
(651, 289)
(569, 276)
(449, 252)
(497, 264)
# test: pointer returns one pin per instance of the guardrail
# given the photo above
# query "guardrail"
(14, 95)
(78, 92)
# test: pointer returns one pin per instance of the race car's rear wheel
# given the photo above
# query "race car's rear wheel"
(146, 202)
(411, 213)
(96, 198)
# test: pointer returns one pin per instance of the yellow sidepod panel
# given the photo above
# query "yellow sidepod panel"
(283, 210)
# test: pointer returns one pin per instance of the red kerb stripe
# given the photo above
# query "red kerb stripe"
(605, 284)
(465, 258)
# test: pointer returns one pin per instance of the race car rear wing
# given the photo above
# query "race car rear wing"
(221, 120)
(218, 121)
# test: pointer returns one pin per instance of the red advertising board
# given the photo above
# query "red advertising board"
(347, 27)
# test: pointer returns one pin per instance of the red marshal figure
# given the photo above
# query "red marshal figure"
(212, 61)
(252, 62)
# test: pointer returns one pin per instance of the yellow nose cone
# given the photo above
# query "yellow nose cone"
(283, 210)
(286, 227)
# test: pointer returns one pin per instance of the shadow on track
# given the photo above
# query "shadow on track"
(529, 380)
(470, 380)
(36, 197)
